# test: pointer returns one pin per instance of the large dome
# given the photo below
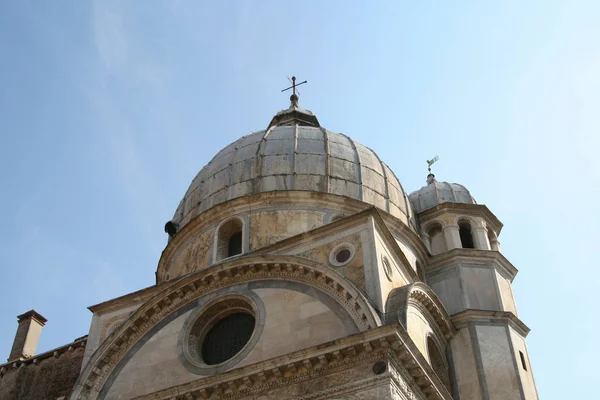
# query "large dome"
(294, 157)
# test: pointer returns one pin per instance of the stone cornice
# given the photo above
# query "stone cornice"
(187, 289)
(479, 210)
(488, 317)
(118, 303)
(472, 256)
(390, 342)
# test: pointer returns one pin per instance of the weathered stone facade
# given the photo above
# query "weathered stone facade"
(296, 268)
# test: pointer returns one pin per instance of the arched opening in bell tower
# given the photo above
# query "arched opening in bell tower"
(437, 240)
(466, 235)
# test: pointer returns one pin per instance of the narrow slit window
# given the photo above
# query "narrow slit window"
(523, 360)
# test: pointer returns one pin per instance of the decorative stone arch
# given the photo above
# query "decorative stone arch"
(422, 298)
(475, 222)
(425, 299)
(112, 354)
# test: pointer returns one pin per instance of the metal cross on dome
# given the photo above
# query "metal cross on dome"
(294, 85)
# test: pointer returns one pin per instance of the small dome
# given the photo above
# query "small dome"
(294, 154)
(439, 192)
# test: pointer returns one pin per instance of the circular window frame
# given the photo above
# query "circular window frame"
(387, 268)
(337, 249)
(201, 321)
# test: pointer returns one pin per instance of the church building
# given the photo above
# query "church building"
(297, 267)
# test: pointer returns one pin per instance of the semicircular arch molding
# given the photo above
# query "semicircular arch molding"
(473, 221)
(436, 223)
(424, 298)
(184, 291)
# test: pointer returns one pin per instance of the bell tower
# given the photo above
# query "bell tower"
(472, 278)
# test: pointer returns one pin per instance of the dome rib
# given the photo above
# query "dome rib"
(358, 169)
(387, 193)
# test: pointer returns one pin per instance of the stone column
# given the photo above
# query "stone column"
(427, 241)
(480, 238)
(494, 242)
(452, 236)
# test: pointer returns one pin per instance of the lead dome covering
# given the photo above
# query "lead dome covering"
(437, 193)
(284, 158)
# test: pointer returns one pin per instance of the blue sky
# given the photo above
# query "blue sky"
(108, 109)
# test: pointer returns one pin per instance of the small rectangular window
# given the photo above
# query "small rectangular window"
(523, 360)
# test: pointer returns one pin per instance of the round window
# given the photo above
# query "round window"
(387, 268)
(341, 254)
(221, 333)
(227, 337)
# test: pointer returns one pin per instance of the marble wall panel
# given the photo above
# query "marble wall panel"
(508, 301)
(194, 256)
(465, 367)
(408, 253)
(446, 286)
(154, 366)
(526, 375)
(293, 321)
(103, 325)
(268, 227)
(497, 361)
(383, 285)
(354, 270)
(480, 288)
(418, 329)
